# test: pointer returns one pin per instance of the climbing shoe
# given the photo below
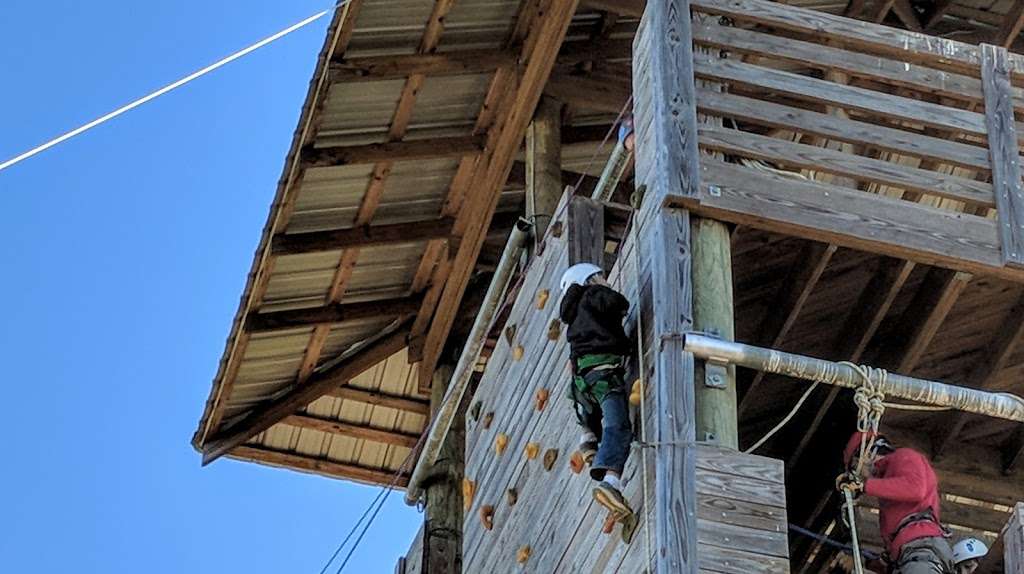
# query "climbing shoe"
(589, 450)
(609, 497)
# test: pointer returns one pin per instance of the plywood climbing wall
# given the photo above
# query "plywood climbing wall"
(530, 512)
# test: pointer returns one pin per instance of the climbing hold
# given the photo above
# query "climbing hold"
(468, 491)
(577, 462)
(554, 329)
(474, 411)
(636, 393)
(487, 516)
(532, 450)
(609, 523)
(517, 352)
(523, 554)
(500, 442)
(487, 420)
(540, 399)
(629, 524)
(542, 298)
(550, 457)
(512, 495)
(510, 333)
(556, 229)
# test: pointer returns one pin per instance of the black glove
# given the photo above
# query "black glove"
(852, 482)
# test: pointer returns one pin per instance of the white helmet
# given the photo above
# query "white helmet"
(969, 548)
(578, 275)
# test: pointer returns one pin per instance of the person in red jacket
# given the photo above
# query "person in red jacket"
(907, 490)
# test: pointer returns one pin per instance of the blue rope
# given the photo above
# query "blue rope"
(833, 543)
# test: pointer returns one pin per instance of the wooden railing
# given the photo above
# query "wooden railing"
(860, 135)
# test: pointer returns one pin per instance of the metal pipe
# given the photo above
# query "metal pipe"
(999, 405)
(442, 420)
(616, 166)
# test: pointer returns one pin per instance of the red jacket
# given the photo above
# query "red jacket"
(904, 484)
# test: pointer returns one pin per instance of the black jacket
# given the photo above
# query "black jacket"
(594, 314)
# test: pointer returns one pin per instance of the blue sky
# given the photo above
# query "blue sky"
(123, 255)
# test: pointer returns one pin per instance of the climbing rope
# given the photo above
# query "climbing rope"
(870, 401)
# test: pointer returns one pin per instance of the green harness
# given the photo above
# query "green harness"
(594, 378)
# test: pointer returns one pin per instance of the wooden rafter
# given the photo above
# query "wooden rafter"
(906, 13)
(390, 151)
(937, 12)
(881, 11)
(366, 236)
(378, 398)
(269, 413)
(590, 93)
(332, 314)
(994, 358)
(1012, 25)
(350, 430)
(320, 466)
(424, 64)
(632, 8)
(550, 20)
(787, 305)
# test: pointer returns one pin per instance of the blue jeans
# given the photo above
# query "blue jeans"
(611, 425)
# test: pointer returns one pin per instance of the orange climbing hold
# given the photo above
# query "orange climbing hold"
(577, 462)
(487, 516)
(500, 443)
(550, 457)
(609, 523)
(468, 491)
(532, 450)
(523, 554)
(540, 398)
(542, 298)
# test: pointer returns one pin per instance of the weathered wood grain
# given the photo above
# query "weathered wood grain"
(585, 229)
(1005, 153)
(1013, 537)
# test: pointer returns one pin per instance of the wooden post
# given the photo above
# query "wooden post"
(667, 163)
(585, 233)
(1013, 542)
(1003, 151)
(715, 385)
(544, 163)
(442, 536)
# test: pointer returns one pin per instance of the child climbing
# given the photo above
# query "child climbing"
(598, 346)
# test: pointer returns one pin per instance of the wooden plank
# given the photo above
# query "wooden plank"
(381, 399)
(332, 314)
(1002, 141)
(364, 236)
(538, 57)
(328, 468)
(585, 231)
(728, 461)
(865, 169)
(667, 162)
(432, 148)
(849, 97)
(716, 508)
(906, 46)
(994, 358)
(786, 307)
(738, 561)
(269, 413)
(752, 540)
(1011, 26)
(712, 483)
(861, 65)
(355, 431)
(774, 115)
(853, 219)
(400, 66)
(1013, 541)
(633, 8)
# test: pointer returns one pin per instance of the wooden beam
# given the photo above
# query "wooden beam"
(350, 430)
(632, 8)
(585, 231)
(443, 520)
(921, 321)
(906, 13)
(994, 358)
(332, 314)
(937, 12)
(863, 169)
(1005, 153)
(392, 151)
(380, 399)
(854, 8)
(270, 413)
(810, 264)
(1011, 26)
(328, 468)
(365, 236)
(427, 64)
(589, 93)
(550, 21)
(849, 218)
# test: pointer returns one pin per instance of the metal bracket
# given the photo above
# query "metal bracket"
(716, 374)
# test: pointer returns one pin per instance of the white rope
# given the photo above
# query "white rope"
(169, 87)
(784, 421)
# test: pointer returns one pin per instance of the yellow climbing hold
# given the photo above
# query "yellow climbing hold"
(523, 554)
(487, 516)
(500, 443)
(540, 399)
(517, 352)
(555, 330)
(468, 491)
(532, 450)
(636, 394)
(542, 298)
